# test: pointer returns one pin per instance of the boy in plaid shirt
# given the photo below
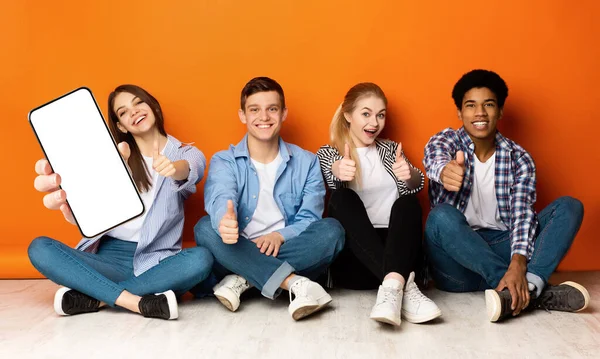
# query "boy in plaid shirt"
(483, 232)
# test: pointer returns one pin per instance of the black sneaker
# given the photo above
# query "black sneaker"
(498, 304)
(566, 297)
(68, 301)
(162, 305)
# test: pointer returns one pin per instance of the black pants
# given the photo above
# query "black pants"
(371, 253)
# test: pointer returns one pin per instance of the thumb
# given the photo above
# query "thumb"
(155, 152)
(399, 152)
(347, 151)
(460, 158)
(230, 211)
(124, 150)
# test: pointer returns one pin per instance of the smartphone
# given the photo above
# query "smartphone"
(79, 147)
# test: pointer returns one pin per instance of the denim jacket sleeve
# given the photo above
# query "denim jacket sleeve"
(311, 208)
(221, 186)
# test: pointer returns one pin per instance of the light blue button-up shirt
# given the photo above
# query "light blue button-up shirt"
(160, 235)
(299, 188)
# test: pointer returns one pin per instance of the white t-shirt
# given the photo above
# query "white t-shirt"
(130, 231)
(267, 217)
(379, 191)
(482, 209)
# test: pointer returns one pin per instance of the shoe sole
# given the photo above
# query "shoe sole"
(492, 305)
(579, 287)
(386, 320)
(305, 311)
(58, 300)
(173, 307)
(226, 303)
(416, 319)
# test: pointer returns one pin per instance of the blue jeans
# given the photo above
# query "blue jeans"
(465, 260)
(106, 274)
(308, 254)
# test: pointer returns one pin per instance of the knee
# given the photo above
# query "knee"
(572, 207)
(444, 216)
(38, 250)
(408, 205)
(199, 262)
(333, 235)
(342, 196)
(203, 230)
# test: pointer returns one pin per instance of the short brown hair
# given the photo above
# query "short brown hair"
(261, 84)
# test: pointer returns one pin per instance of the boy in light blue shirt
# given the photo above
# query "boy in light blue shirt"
(265, 198)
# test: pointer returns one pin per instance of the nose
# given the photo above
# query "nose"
(480, 110)
(264, 115)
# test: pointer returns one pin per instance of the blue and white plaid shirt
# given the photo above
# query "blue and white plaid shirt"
(514, 179)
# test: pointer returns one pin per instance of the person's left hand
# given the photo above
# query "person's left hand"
(269, 243)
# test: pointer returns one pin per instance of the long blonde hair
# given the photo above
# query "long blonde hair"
(339, 129)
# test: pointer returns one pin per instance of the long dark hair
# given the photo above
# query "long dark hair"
(140, 173)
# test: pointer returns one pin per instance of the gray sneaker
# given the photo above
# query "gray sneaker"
(566, 297)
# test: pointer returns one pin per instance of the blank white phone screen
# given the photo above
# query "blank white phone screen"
(79, 147)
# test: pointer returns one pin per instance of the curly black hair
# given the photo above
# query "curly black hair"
(479, 79)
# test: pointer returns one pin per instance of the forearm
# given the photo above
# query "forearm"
(182, 170)
(518, 262)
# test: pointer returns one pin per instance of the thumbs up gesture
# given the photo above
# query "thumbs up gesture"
(228, 228)
(160, 163)
(344, 169)
(401, 168)
(124, 150)
(454, 172)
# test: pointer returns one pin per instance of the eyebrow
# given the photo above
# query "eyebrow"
(120, 107)
(486, 100)
(257, 105)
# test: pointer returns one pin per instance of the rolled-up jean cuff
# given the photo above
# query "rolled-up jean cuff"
(272, 289)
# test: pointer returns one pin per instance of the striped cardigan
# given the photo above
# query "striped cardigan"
(387, 152)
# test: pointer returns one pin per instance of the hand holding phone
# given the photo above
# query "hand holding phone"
(83, 162)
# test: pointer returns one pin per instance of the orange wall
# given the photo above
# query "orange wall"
(195, 57)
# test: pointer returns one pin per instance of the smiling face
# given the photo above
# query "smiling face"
(135, 116)
(263, 115)
(480, 113)
(367, 120)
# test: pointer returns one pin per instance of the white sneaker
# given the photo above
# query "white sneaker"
(388, 306)
(310, 298)
(229, 290)
(416, 307)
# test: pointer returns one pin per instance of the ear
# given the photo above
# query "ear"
(121, 127)
(284, 114)
(501, 114)
(459, 114)
(347, 117)
(242, 116)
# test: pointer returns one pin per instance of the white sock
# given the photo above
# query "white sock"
(392, 283)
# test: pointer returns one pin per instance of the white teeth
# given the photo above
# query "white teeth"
(264, 126)
(479, 123)
(139, 119)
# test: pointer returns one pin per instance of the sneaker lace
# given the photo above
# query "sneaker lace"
(552, 300)
(299, 289)
(390, 295)
(414, 294)
(239, 285)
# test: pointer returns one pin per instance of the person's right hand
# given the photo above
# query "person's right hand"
(453, 173)
(48, 181)
(344, 169)
(228, 227)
